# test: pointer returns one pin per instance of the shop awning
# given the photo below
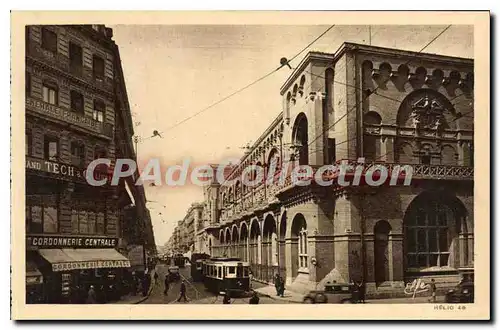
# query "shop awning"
(33, 275)
(69, 259)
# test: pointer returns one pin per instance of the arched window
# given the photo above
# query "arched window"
(300, 139)
(237, 190)
(273, 162)
(303, 248)
(432, 223)
(287, 105)
(301, 86)
(448, 155)
(299, 230)
(372, 118)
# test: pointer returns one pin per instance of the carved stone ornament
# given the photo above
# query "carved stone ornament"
(427, 113)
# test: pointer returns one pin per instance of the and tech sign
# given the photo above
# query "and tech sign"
(62, 170)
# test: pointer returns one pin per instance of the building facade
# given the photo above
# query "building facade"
(389, 107)
(76, 111)
(184, 238)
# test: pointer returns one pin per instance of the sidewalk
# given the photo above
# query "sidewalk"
(270, 292)
(139, 298)
(294, 297)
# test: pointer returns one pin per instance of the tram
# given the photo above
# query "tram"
(197, 266)
(230, 275)
(179, 260)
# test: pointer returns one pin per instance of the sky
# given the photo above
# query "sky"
(173, 72)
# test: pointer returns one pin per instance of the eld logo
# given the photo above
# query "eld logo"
(415, 287)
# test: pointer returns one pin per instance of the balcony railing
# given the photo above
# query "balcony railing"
(58, 113)
(266, 193)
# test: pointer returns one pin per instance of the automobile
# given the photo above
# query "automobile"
(173, 273)
(334, 293)
(462, 293)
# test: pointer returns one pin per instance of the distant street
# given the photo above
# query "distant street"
(195, 291)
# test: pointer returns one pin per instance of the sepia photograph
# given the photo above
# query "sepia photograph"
(190, 160)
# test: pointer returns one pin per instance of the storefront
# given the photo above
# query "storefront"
(70, 265)
(34, 284)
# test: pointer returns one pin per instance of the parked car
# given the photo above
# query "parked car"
(463, 293)
(334, 293)
(173, 273)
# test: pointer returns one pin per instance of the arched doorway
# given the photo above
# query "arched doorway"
(222, 241)
(236, 243)
(269, 249)
(244, 241)
(300, 257)
(228, 245)
(255, 247)
(433, 224)
(382, 253)
(281, 246)
(300, 139)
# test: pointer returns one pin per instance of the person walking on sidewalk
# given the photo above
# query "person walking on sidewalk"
(182, 292)
(361, 292)
(167, 286)
(282, 287)
(433, 291)
(277, 284)
(146, 284)
(156, 278)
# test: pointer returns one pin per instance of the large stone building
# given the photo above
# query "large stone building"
(385, 105)
(76, 111)
(183, 236)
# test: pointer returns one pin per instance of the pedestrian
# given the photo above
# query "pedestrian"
(433, 291)
(226, 300)
(255, 299)
(145, 285)
(182, 292)
(167, 285)
(361, 289)
(282, 286)
(156, 278)
(91, 296)
(277, 284)
(355, 292)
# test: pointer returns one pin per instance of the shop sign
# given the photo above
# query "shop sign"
(59, 242)
(66, 115)
(68, 266)
(31, 280)
(65, 171)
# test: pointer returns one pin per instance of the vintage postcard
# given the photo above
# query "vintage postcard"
(176, 162)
